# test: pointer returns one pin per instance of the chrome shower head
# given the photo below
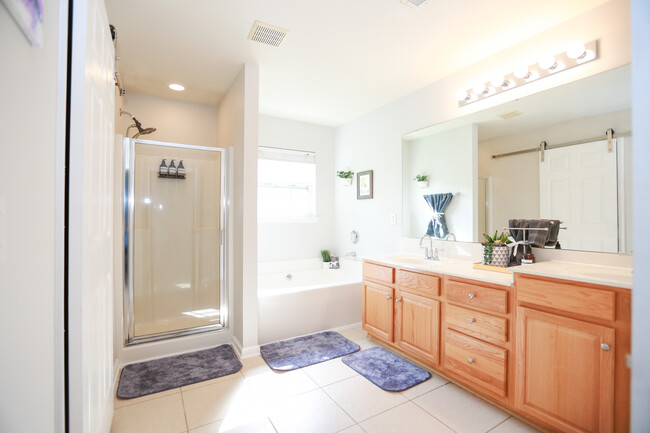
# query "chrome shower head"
(144, 132)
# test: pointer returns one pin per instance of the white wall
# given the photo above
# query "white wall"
(515, 179)
(287, 241)
(237, 128)
(641, 294)
(374, 141)
(175, 121)
(449, 161)
(31, 208)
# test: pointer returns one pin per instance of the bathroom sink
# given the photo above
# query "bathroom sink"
(412, 260)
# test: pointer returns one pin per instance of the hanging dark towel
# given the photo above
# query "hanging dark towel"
(553, 234)
(518, 236)
(538, 238)
(437, 227)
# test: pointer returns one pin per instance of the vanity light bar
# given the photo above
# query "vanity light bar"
(576, 54)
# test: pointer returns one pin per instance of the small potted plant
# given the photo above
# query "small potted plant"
(495, 250)
(422, 181)
(345, 177)
(325, 254)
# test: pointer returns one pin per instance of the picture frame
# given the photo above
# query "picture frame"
(28, 14)
(364, 185)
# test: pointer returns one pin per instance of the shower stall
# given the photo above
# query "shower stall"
(174, 244)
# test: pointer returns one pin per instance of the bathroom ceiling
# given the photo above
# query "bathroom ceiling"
(341, 58)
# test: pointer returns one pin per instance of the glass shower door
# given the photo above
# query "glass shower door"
(175, 224)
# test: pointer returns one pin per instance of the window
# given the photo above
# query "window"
(286, 185)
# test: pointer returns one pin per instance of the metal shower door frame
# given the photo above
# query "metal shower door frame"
(130, 338)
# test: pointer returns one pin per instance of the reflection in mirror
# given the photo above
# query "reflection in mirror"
(491, 162)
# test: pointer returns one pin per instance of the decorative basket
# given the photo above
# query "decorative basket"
(500, 256)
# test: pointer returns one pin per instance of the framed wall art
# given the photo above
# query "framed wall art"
(364, 185)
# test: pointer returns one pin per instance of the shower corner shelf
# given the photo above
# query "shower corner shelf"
(167, 176)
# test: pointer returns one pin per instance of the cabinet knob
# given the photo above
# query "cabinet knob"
(471, 320)
(605, 347)
(389, 297)
(470, 360)
(471, 296)
(398, 300)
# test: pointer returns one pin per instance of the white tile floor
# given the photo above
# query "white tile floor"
(322, 398)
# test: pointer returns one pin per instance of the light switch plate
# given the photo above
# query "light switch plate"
(393, 219)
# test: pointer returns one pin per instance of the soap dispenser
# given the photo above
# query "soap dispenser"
(180, 170)
(172, 169)
(163, 170)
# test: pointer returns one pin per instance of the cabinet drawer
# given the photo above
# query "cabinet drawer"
(385, 274)
(567, 297)
(420, 284)
(480, 325)
(478, 362)
(477, 296)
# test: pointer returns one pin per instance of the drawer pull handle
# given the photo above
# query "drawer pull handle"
(470, 360)
(471, 320)
(605, 347)
(471, 296)
(389, 297)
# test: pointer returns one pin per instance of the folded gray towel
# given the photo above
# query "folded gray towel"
(518, 236)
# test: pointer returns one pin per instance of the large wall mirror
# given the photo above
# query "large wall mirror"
(486, 168)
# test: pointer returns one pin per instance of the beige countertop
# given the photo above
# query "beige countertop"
(587, 273)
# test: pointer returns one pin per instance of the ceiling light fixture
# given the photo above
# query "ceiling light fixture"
(576, 54)
(177, 87)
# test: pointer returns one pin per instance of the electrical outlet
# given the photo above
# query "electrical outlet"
(393, 219)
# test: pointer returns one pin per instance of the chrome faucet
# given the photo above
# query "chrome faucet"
(449, 236)
(428, 251)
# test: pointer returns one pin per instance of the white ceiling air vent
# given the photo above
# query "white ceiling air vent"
(510, 114)
(267, 34)
(413, 3)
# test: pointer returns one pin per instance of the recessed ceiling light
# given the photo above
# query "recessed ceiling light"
(177, 87)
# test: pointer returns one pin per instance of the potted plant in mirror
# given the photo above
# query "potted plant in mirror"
(495, 250)
(422, 181)
(345, 177)
(325, 254)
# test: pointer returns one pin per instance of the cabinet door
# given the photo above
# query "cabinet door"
(565, 371)
(418, 326)
(378, 310)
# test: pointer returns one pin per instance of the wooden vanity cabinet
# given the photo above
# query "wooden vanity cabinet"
(402, 308)
(571, 343)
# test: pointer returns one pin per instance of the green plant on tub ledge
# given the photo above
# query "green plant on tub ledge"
(325, 254)
(345, 177)
(495, 250)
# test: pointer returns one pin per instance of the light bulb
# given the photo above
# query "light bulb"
(521, 71)
(462, 95)
(498, 81)
(480, 89)
(548, 62)
(576, 50)
(177, 87)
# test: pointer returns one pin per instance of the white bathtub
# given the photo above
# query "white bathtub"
(313, 299)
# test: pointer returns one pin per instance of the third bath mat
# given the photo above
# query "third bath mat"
(385, 369)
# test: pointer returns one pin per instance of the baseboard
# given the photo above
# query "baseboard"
(244, 352)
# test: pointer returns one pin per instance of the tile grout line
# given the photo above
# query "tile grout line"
(498, 424)
(187, 426)
(340, 407)
(435, 417)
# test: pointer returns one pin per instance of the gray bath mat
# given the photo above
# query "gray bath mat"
(149, 377)
(303, 351)
(385, 369)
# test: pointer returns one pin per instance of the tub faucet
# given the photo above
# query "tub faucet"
(351, 254)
